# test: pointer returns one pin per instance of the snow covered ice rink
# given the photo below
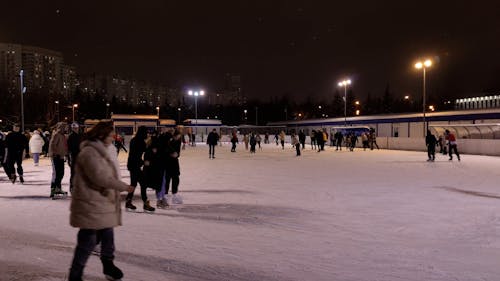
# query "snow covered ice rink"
(368, 215)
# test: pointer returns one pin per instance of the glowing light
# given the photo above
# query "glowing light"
(357, 103)
(75, 105)
(418, 65)
(427, 63)
(202, 93)
(407, 97)
(190, 93)
(357, 112)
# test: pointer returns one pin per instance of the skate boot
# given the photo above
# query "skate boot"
(111, 272)
(176, 199)
(13, 178)
(59, 194)
(147, 208)
(162, 204)
(21, 179)
(129, 206)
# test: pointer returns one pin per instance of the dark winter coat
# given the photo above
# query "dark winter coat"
(136, 151)
(430, 140)
(302, 137)
(212, 138)
(74, 140)
(16, 143)
(171, 153)
(153, 166)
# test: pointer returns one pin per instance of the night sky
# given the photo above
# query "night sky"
(301, 48)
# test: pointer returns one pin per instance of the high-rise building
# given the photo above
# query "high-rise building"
(44, 70)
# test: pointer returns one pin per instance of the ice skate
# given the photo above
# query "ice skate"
(162, 204)
(129, 206)
(13, 179)
(59, 194)
(21, 179)
(111, 272)
(176, 199)
(147, 208)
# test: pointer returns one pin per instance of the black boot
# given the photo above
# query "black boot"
(110, 270)
(129, 205)
(75, 274)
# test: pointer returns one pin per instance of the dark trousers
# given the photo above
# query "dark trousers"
(57, 171)
(283, 144)
(71, 163)
(297, 147)
(339, 144)
(453, 148)
(175, 183)
(431, 151)
(303, 143)
(211, 149)
(14, 158)
(233, 148)
(137, 176)
(87, 240)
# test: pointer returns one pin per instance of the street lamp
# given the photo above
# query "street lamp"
(107, 109)
(23, 90)
(158, 112)
(245, 111)
(344, 84)
(74, 106)
(58, 111)
(196, 94)
(423, 65)
(179, 115)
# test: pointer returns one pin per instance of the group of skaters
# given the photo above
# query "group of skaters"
(447, 145)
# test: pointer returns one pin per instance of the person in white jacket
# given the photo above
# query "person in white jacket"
(36, 144)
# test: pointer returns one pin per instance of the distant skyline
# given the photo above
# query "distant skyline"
(302, 48)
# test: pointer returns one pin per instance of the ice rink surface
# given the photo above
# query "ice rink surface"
(365, 215)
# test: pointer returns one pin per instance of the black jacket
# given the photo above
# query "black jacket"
(171, 152)
(136, 150)
(430, 140)
(16, 142)
(153, 166)
(212, 138)
(74, 140)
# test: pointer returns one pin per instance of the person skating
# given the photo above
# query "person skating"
(302, 139)
(3, 154)
(246, 140)
(319, 140)
(58, 150)
(36, 146)
(253, 142)
(153, 171)
(16, 144)
(364, 141)
(452, 145)
(171, 156)
(373, 139)
(95, 204)
(339, 138)
(282, 139)
(276, 138)
(258, 138)
(74, 140)
(296, 143)
(313, 139)
(234, 141)
(134, 165)
(212, 139)
(430, 142)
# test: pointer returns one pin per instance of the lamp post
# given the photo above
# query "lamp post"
(196, 94)
(23, 90)
(74, 106)
(158, 112)
(179, 115)
(58, 111)
(107, 109)
(344, 84)
(423, 65)
(245, 111)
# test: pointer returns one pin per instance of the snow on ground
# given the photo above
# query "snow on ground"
(363, 215)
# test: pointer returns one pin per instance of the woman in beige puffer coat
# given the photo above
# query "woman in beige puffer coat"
(95, 205)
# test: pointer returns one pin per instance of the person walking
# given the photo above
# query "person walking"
(430, 142)
(58, 150)
(95, 204)
(74, 140)
(16, 144)
(212, 139)
(36, 146)
(134, 165)
(452, 145)
(296, 143)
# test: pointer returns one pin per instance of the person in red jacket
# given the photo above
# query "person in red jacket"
(452, 144)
